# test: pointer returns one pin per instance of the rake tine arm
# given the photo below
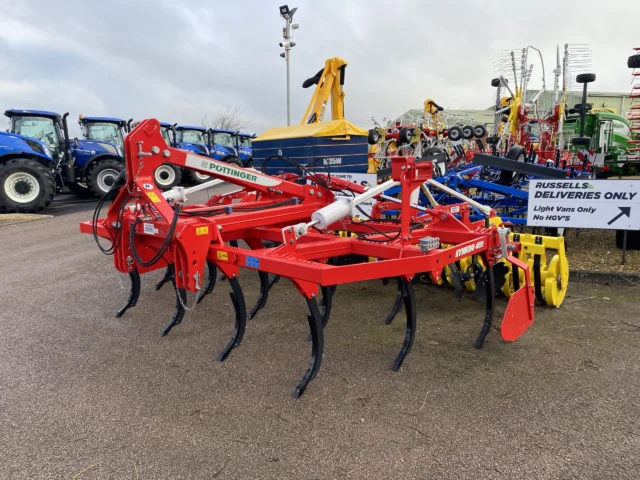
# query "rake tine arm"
(134, 292)
(178, 315)
(237, 298)
(397, 304)
(264, 294)
(317, 347)
(168, 275)
(211, 281)
(409, 298)
(488, 316)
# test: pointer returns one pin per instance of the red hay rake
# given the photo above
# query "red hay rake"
(290, 225)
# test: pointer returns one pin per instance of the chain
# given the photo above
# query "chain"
(133, 182)
(198, 288)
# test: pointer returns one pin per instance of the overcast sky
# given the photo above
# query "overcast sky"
(175, 60)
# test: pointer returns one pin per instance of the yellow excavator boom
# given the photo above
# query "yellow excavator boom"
(329, 83)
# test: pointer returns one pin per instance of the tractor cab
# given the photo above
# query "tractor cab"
(222, 144)
(47, 128)
(105, 129)
(168, 132)
(243, 147)
(193, 139)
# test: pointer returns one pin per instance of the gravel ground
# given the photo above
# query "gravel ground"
(596, 250)
(86, 396)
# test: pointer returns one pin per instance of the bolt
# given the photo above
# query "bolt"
(319, 194)
(443, 217)
(290, 230)
(166, 153)
(291, 241)
(116, 225)
(312, 191)
(155, 150)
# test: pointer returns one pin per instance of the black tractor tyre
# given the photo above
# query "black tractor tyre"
(455, 134)
(517, 153)
(633, 239)
(405, 135)
(468, 132)
(493, 139)
(249, 162)
(480, 131)
(233, 160)
(102, 175)
(193, 177)
(167, 176)
(586, 78)
(634, 61)
(374, 136)
(13, 186)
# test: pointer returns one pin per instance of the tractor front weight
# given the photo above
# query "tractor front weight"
(290, 225)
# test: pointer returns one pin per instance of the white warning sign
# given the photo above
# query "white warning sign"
(364, 179)
(600, 204)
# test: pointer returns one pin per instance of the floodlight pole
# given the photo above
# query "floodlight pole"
(288, 45)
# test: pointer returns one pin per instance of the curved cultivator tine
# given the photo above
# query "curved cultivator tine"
(488, 281)
(317, 346)
(325, 304)
(274, 280)
(237, 298)
(409, 298)
(178, 315)
(169, 274)
(398, 302)
(264, 294)
(134, 293)
(211, 281)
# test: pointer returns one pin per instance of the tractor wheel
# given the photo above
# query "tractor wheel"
(233, 160)
(468, 132)
(633, 239)
(249, 162)
(167, 176)
(195, 178)
(586, 78)
(479, 131)
(634, 61)
(26, 186)
(102, 176)
(405, 135)
(455, 134)
(374, 136)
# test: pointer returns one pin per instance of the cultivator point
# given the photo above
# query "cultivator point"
(290, 227)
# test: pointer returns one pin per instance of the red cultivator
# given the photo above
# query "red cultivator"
(289, 224)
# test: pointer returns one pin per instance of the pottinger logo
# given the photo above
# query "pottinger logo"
(229, 171)
(469, 249)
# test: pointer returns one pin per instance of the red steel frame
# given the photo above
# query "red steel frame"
(203, 233)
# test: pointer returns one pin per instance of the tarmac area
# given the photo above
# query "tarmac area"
(84, 395)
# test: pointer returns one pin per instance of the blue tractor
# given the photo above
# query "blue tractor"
(222, 145)
(243, 147)
(38, 159)
(193, 139)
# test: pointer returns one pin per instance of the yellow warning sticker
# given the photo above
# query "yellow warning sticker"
(202, 230)
(223, 256)
(153, 197)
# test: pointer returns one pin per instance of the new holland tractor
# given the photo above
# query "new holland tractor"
(38, 159)
(243, 147)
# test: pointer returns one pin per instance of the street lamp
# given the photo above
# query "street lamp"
(288, 45)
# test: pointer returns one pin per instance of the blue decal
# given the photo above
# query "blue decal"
(253, 262)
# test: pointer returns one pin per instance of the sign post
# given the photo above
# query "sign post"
(596, 204)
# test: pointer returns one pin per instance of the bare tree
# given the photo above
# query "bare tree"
(231, 118)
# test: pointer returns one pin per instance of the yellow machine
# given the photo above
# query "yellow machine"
(335, 146)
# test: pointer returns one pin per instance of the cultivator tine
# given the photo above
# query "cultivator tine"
(397, 304)
(490, 293)
(325, 304)
(178, 315)
(456, 281)
(264, 294)
(274, 280)
(134, 293)
(211, 282)
(234, 244)
(317, 347)
(168, 275)
(515, 275)
(237, 298)
(537, 278)
(410, 332)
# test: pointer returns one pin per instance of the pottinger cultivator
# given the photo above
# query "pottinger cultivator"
(290, 228)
